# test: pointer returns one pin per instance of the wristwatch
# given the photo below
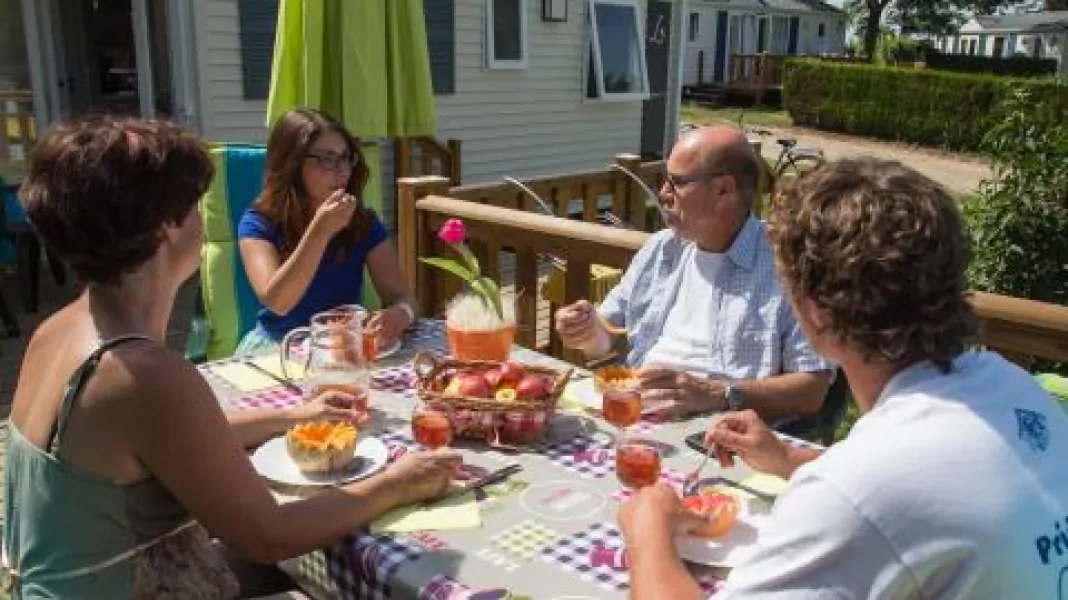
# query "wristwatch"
(734, 396)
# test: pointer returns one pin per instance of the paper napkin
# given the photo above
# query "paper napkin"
(456, 513)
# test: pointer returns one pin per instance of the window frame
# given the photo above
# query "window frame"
(593, 54)
(492, 62)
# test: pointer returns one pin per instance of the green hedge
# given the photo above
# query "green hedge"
(1015, 66)
(932, 108)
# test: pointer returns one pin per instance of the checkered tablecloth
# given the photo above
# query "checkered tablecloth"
(585, 455)
(550, 535)
(598, 555)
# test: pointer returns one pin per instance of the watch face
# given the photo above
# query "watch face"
(735, 399)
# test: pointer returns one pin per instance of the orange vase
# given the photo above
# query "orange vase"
(494, 344)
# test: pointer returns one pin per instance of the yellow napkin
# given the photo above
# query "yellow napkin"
(272, 365)
(769, 484)
(571, 400)
(456, 513)
(243, 377)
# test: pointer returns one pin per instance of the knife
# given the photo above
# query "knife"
(766, 497)
(481, 482)
(289, 385)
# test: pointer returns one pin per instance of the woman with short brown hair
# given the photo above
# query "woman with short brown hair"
(120, 459)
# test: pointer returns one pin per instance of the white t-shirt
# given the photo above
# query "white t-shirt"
(688, 340)
(954, 486)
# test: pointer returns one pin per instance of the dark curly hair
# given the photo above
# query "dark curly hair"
(98, 190)
(881, 250)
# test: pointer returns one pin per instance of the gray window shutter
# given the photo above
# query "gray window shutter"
(258, 20)
(441, 43)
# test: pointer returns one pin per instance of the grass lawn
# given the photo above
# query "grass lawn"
(756, 115)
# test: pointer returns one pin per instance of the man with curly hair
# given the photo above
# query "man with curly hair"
(953, 482)
(706, 319)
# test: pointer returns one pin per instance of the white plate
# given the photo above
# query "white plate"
(272, 462)
(586, 395)
(737, 546)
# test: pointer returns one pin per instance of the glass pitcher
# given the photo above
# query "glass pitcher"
(334, 357)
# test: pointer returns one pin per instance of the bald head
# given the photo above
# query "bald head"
(724, 149)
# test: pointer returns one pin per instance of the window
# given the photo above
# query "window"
(780, 32)
(506, 34)
(821, 30)
(616, 67)
(695, 26)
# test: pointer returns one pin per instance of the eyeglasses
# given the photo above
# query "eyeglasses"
(676, 183)
(332, 161)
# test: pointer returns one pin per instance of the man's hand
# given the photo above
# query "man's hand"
(745, 434)
(679, 392)
(580, 327)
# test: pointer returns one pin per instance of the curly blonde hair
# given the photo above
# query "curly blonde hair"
(881, 251)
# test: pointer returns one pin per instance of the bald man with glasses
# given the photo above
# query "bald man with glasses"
(705, 317)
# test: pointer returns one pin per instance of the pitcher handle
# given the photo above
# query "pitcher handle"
(287, 343)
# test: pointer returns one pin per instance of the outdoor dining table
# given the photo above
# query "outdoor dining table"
(547, 532)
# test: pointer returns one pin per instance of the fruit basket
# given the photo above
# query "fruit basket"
(504, 403)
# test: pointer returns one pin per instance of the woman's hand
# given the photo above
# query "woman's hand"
(329, 406)
(745, 434)
(334, 213)
(419, 476)
(388, 325)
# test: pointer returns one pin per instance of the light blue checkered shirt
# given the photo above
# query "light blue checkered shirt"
(755, 327)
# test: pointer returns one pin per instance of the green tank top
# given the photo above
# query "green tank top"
(73, 534)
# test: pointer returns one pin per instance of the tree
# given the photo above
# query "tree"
(938, 17)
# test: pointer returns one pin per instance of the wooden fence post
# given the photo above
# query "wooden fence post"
(455, 171)
(409, 190)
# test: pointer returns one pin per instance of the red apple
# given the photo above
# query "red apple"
(475, 386)
(511, 374)
(532, 387)
(493, 378)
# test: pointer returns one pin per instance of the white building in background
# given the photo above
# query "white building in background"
(1032, 34)
(715, 29)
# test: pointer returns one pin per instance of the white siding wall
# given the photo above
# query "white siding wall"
(705, 42)
(225, 115)
(512, 122)
(808, 41)
(531, 121)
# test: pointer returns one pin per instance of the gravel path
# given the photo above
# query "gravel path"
(959, 173)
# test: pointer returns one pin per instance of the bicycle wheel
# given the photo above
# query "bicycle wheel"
(799, 166)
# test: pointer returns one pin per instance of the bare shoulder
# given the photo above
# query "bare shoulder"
(153, 375)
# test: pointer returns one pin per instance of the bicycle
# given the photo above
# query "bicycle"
(793, 160)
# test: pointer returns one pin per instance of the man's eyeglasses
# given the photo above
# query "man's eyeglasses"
(331, 161)
(675, 183)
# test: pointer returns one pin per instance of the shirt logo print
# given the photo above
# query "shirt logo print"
(1032, 429)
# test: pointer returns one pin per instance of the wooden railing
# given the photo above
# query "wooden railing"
(584, 193)
(756, 73)
(1019, 328)
(17, 128)
(421, 156)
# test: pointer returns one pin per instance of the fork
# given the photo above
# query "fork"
(689, 485)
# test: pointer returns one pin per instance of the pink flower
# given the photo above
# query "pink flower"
(452, 232)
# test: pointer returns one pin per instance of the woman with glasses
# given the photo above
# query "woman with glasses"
(306, 239)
